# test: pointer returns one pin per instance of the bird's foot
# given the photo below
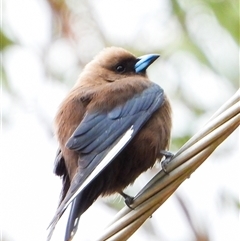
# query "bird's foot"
(127, 199)
(168, 157)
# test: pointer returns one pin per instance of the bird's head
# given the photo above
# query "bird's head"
(116, 63)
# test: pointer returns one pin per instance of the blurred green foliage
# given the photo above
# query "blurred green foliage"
(227, 13)
(5, 42)
(63, 13)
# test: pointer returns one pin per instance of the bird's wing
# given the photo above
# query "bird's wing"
(101, 136)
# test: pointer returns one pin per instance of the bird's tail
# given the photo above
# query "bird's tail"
(79, 205)
(77, 209)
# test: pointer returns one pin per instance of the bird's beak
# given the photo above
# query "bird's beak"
(144, 61)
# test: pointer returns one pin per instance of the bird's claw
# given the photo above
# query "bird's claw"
(168, 157)
(127, 199)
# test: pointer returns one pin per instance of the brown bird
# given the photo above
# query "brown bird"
(111, 127)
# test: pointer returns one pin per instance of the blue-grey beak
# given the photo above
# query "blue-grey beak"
(144, 61)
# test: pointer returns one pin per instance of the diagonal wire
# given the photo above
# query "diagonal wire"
(184, 163)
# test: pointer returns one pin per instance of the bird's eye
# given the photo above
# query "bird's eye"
(120, 68)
